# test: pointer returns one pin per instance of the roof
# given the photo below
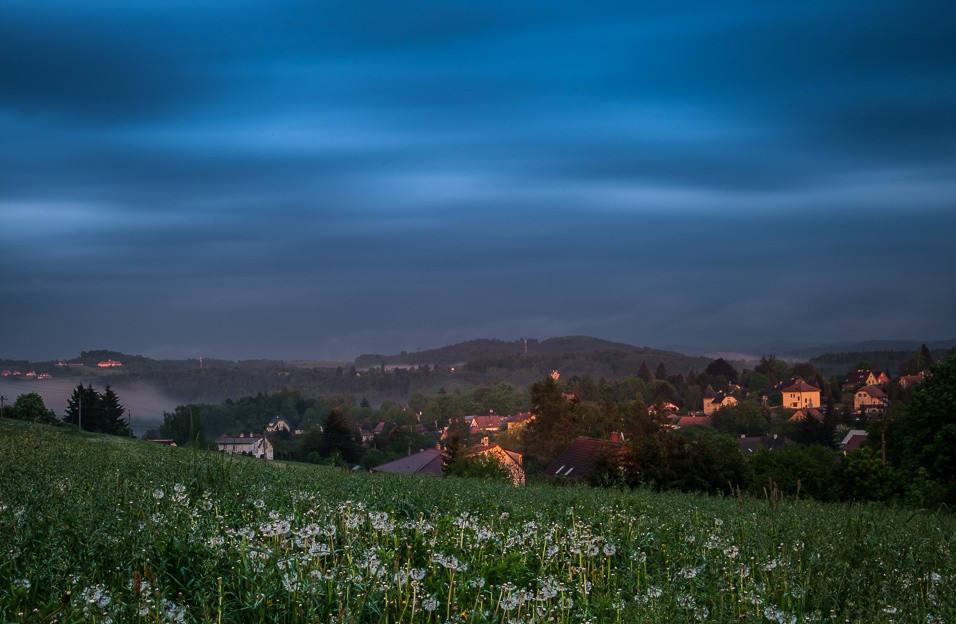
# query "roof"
(853, 440)
(520, 417)
(487, 422)
(428, 461)
(751, 444)
(803, 414)
(801, 386)
(252, 438)
(857, 377)
(579, 458)
(709, 392)
(873, 391)
(687, 421)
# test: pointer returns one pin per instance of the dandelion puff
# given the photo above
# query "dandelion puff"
(21, 583)
(429, 604)
(610, 549)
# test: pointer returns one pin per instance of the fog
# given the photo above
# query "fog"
(144, 404)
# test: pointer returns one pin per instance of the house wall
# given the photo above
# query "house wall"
(798, 400)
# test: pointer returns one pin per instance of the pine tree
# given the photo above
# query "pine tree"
(83, 409)
(661, 372)
(112, 410)
(644, 373)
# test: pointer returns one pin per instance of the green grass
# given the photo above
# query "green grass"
(96, 529)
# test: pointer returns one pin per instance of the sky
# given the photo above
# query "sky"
(290, 179)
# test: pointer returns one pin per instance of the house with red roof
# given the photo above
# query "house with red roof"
(714, 401)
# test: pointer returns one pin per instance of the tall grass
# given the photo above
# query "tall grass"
(100, 529)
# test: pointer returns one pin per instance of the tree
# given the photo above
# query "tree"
(112, 414)
(83, 409)
(554, 425)
(183, 427)
(924, 436)
(341, 437)
(661, 372)
(745, 418)
(644, 373)
(723, 368)
(30, 407)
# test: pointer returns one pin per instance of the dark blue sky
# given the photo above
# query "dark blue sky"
(321, 179)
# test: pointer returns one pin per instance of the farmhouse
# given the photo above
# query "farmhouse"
(254, 444)
(278, 424)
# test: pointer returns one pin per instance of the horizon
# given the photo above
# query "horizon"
(287, 181)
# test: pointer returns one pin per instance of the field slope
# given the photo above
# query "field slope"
(95, 528)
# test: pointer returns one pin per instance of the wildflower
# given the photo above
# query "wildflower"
(429, 604)
(610, 549)
(731, 552)
(21, 583)
(158, 494)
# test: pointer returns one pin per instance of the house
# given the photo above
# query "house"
(44, 376)
(480, 424)
(714, 401)
(109, 364)
(869, 399)
(580, 458)
(687, 421)
(908, 381)
(519, 420)
(801, 395)
(882, 378)
(428, 462)
(511, 460)
(254, 444)
(807, 413)
(858, 379)
(367, 437)
(30, 375)
(853, 440)
(278, 424)
(164, 441)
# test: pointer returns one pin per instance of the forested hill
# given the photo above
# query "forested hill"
(484, 348)
(475, 363)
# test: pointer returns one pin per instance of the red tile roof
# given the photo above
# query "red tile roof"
(801, 386)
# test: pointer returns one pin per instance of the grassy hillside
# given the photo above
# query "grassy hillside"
(100, 529)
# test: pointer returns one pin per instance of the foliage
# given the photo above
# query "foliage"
(183, 427)
(744, 418)
(30, 406)
(924, 435)
(478, 467)
(97, 528)
(341, 438)
(92, 411)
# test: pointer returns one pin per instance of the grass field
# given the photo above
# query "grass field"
(102, 529)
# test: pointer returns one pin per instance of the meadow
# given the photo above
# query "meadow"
(103, 529)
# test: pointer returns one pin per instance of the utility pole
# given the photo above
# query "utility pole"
(2, 399)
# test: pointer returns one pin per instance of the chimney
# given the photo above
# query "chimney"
(437, 446)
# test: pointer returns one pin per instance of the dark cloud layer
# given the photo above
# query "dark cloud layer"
(288, 179)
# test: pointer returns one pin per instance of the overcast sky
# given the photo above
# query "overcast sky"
(322, 179)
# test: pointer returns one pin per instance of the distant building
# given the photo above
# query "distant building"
(278, 424)
(253, 444)
(109, 364)
(714, 401)
(869, 399)
(853, 440)
(800, 395)
(519, 420)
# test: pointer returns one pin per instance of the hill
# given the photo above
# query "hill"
(103, 528)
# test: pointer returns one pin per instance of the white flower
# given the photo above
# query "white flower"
(429, 604)
(158, 494)
(610, 549)
(21, 583)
